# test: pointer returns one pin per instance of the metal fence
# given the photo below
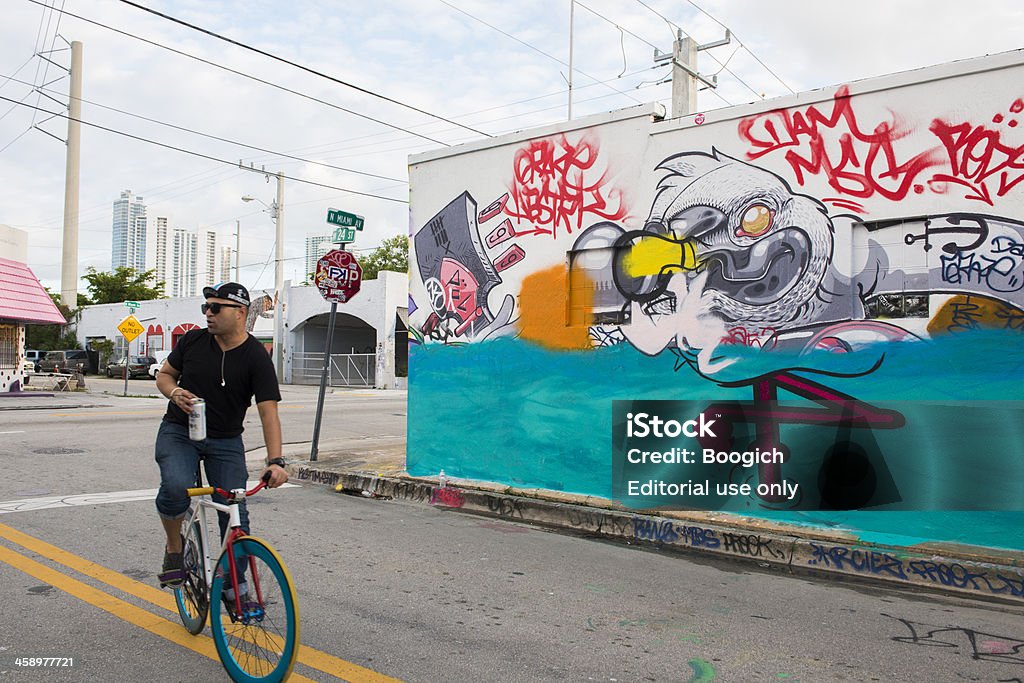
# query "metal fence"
(347, 369)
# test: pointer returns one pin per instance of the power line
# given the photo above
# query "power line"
(749, 51)
(207, 156)
(245, 75)
(301, 67)
(522, 42)
(229, 141)
(615, 24)
(644, 40)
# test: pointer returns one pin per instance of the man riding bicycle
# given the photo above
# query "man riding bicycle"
(226, 367)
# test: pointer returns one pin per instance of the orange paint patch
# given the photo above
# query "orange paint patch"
(967, 312)
(545, 311)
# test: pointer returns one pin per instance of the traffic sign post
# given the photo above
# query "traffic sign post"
(338, 276)
(130, 328)
(344, 219)
(344, 235)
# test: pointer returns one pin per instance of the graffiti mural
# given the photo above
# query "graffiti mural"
(730, 254)
(458, 274)
(838, 253)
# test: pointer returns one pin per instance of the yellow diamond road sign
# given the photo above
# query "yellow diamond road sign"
(130, 327)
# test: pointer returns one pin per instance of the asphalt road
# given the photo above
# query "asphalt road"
(403, 590)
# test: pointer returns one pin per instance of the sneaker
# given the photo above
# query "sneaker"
(250, 606)
(173, 573)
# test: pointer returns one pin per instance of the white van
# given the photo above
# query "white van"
(35, 356)
(160, 356)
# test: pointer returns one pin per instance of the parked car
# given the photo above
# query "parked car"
(138, 366)
(160, 357)
(35, 356)
(64, 361)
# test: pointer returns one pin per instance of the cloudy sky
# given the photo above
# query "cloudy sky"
(465, 68)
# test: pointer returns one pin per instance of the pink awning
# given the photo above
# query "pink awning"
(22, 298)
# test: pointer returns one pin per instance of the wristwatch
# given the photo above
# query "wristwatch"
(280, 462)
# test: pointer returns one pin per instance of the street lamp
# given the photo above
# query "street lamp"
(276, 211)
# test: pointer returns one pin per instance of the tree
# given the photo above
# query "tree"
(392, 254)
(52, 337)
(123, 284)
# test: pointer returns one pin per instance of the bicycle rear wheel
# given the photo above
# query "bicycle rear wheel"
(192, 595)
(260, 643)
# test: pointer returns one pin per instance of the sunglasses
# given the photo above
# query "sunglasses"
(215, 307)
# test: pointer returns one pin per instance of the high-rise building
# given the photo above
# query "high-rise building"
(184, 254)
(157, 231)
(316, 246)
(208, 272)
(128, 246)
(225, 264)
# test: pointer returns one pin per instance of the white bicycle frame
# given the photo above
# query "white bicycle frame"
(234, 520)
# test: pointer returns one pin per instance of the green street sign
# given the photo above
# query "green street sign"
(132, 305)
(344, 219)
(344, 235)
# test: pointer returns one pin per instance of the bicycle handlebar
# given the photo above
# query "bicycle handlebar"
(210, 490)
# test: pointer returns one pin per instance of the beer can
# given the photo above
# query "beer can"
(197, 420)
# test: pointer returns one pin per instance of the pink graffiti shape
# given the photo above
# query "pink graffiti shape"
(554, 186)
(460, 288)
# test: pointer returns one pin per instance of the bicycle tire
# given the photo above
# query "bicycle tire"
(192, 595)
(261, 645)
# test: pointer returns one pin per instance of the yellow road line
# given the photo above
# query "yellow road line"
(119, 608)
(315, 659)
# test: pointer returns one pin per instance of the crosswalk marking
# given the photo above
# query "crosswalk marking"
(50, 502)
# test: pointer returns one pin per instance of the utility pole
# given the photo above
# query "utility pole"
(69, 252)
(572, 16)
(277, 213)
(238, 249)
(279, 282)
(684, 71)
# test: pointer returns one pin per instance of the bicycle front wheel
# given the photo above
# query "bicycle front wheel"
(260, 641)
(191, 595)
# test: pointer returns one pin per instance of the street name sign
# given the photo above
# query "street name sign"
(132, 305)
(344, 235)
(338, 276)
(130, 328)
(344, 219)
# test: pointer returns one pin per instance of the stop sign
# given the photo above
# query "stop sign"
(338, 276)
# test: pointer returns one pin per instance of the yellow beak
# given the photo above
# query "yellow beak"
(659, 254)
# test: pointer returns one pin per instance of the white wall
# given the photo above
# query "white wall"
(376, 303)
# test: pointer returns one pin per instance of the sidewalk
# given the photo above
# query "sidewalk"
(374, 468)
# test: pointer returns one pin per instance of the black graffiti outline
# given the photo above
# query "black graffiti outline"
(1015, 656)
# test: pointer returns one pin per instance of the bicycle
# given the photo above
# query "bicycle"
(257, 633)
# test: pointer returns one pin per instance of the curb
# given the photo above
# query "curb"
(794, 549)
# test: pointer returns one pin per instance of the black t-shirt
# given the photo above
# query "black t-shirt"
(227, 380)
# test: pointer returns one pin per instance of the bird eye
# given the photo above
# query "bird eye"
(756, 221)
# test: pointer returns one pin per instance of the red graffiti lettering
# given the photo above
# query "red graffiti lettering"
(978, 155)
(855, 162)
(554, 186)
(760, 339)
